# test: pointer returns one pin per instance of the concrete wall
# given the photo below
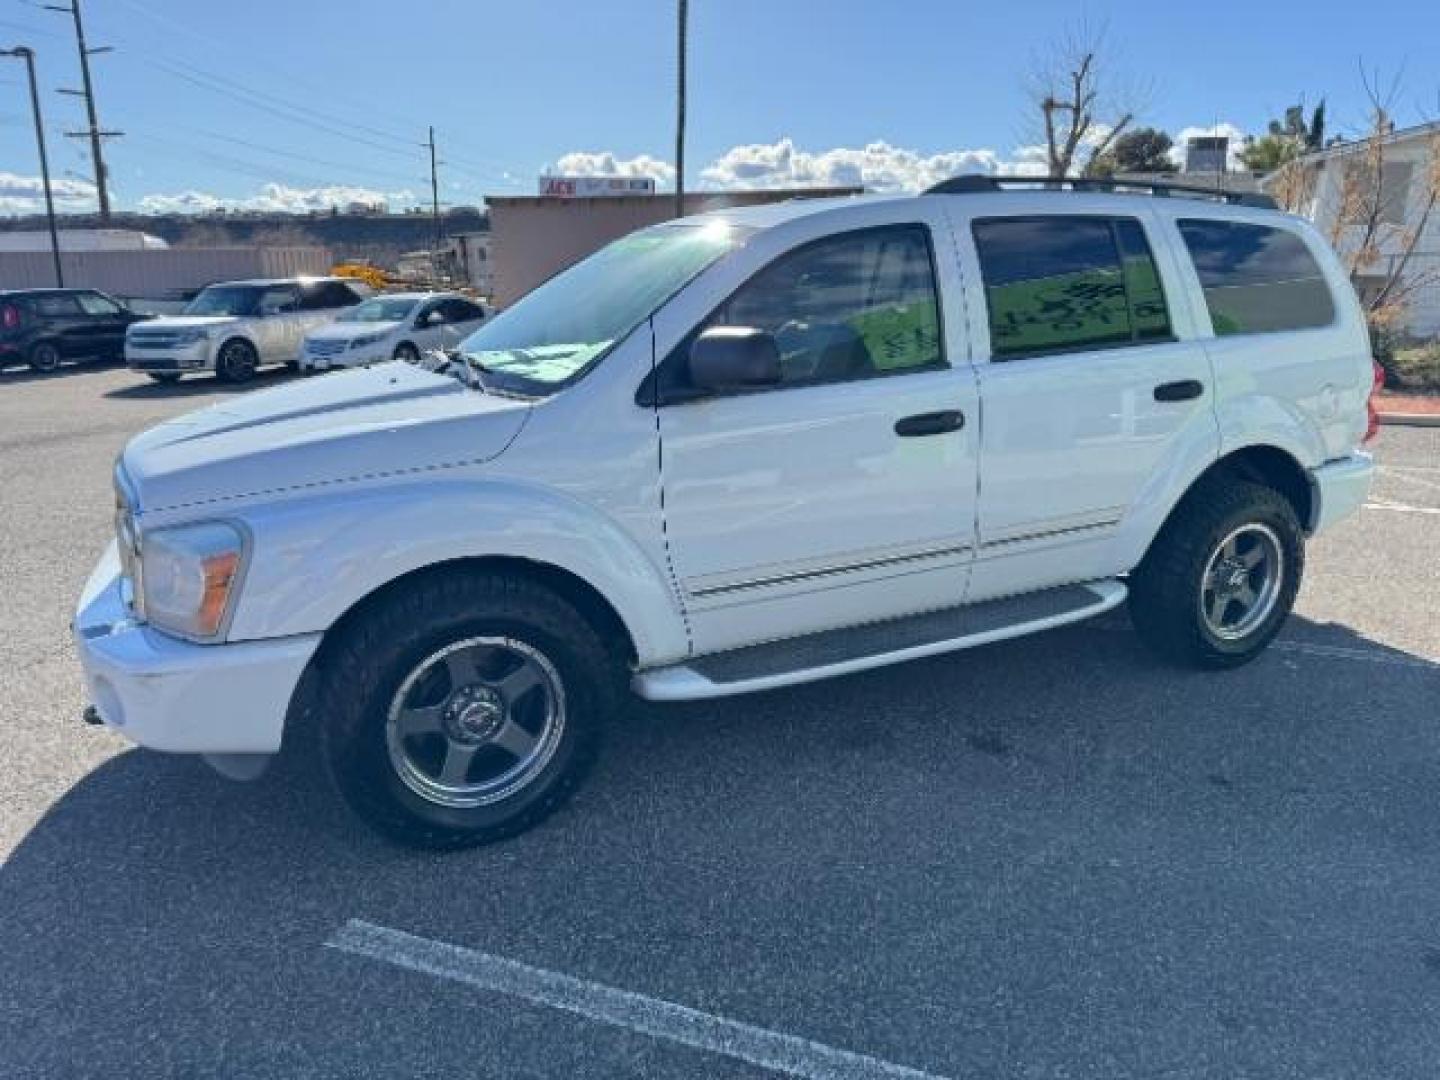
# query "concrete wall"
(532, 238)
(158, 274)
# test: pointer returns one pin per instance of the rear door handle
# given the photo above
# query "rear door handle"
(1183, 390)
(930, 423)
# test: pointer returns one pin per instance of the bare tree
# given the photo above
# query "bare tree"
(1377, 224)
(1083, 108)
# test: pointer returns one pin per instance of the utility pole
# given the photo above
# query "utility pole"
(434, 208)
(28, 55)
(94, 134)
(682, 18)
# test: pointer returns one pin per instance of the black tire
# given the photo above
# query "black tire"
(236, 361)
(365, 673)
(44, 356)
(407, 352)
(1168, 591)
(168, 378)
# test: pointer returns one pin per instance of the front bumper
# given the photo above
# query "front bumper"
(194, 357)
(168, 694)
(1341, 487)
(347, 359)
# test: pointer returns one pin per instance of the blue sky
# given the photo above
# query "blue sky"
(276, 103)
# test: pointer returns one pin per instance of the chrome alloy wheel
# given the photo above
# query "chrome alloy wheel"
(476, 721)
(1242, 581)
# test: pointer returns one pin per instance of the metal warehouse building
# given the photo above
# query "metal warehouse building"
(533, 237)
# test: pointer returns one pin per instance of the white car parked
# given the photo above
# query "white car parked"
(731, 453)
(236, 327)
(395, 326)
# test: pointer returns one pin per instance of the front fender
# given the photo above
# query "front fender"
(315, 557)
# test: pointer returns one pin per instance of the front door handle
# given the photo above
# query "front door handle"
(930, 423)
(1183, 390)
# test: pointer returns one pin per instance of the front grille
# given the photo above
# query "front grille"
(325, 348)
(153, 339)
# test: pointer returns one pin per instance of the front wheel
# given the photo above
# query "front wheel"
(237, 361)
(407, 352)
(1221, 578)
(464, 709)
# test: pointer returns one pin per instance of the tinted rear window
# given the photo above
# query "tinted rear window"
(1069, 283)
(1257, 279)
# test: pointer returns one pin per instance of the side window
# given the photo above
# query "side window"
(95, 304)
(457, 311)
(1257, 279)
(1068, 283)
(277, 300)
(324, 295)
(848, 307)
(57, 305)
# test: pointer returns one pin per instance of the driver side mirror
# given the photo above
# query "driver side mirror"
(725, 359)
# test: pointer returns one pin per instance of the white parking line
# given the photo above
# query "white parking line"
(619, 1008)
(1402, 508)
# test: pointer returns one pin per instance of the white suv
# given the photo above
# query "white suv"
(234, 328)
(731, 453)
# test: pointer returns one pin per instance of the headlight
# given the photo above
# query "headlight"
(189, 576)
(368, 339)
(190, 337)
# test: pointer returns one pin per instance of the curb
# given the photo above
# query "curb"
(1401, 419)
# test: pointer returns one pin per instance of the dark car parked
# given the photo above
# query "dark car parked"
(41, 327)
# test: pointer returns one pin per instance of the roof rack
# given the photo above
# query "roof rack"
(975, 183)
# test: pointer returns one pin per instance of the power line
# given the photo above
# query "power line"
(94, 132)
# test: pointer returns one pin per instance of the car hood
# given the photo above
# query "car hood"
(349, 331)
(186, 322)
(361, 424)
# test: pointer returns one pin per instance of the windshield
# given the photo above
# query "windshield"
(225, 300)
(555, 332)
(380, 309)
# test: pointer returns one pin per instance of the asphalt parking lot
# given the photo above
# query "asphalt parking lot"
(1053, 857)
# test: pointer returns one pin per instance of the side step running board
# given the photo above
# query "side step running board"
(859, 648)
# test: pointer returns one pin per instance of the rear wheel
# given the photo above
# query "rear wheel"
(1221, 578)
(407, 352)
(44, 356)
(236, 361)
(464, 709)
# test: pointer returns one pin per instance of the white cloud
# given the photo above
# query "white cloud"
(1234, 133)
(26, 194)
(604, 163)
(876, 167)
(277, 198)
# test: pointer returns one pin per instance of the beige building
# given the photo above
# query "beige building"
(533, 237)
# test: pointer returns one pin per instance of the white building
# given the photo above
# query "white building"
(1410, 155)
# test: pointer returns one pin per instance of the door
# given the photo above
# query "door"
(107, 322)
(460, 319)
(65, 323)
(1089, 398)
(281, 326)
(425, 329)
(846, 493)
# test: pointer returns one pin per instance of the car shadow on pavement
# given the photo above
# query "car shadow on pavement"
(199, 385)
(23, 373)
(1054, 854)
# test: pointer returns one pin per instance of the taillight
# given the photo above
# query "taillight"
(9, 317)
(1372, 410)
